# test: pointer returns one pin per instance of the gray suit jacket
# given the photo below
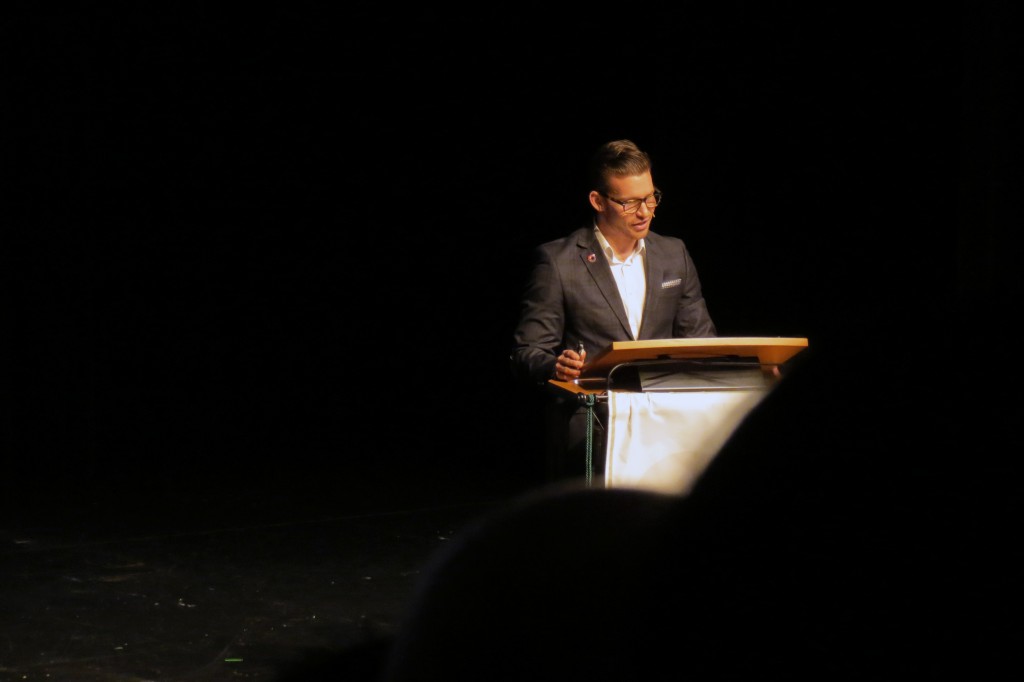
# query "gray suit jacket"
(571, 297)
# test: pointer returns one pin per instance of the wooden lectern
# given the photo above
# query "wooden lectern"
(711, 383)
(765, 351)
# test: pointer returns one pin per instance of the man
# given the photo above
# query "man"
(613, 280)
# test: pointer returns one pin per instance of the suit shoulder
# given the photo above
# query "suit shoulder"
(664, 242)
(570, 242)
(657, 238)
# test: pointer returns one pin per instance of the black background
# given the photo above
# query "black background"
(285, 246)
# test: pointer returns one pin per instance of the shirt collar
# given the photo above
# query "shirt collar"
(609, 252)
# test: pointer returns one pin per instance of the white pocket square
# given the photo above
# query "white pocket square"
(671, 283)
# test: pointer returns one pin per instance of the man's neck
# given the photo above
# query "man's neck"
(622, 247)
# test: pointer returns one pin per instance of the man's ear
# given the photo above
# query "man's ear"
(597, 201)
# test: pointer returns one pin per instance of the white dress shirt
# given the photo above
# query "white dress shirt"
(629, 274)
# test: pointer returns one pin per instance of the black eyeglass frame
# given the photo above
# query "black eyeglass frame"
(656, 195)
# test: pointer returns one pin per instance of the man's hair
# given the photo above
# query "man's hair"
(617, 158)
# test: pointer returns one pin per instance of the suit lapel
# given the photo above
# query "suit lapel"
(653, 274)
(597, 265)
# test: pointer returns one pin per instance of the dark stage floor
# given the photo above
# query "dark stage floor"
(218, 584)
(839, 533)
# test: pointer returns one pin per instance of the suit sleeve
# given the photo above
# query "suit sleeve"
(692, 319)
(541, 327)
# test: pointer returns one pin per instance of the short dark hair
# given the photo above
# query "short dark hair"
(617, 158)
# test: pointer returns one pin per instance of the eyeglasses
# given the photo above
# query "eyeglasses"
(633, 205)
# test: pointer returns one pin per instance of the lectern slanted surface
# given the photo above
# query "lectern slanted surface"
(768, 350)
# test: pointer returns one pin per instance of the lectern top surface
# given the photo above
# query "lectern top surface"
(767, 349)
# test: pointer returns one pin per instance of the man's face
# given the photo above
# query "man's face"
(618, 224)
